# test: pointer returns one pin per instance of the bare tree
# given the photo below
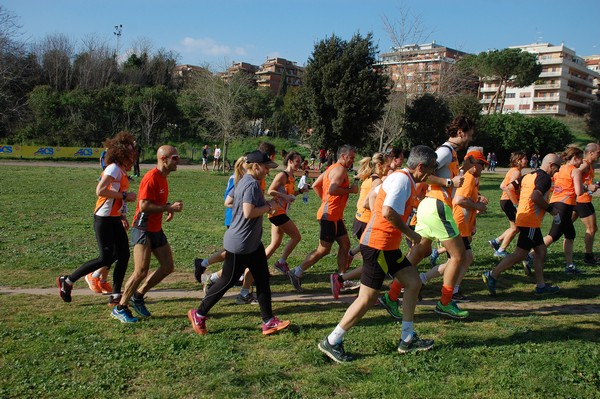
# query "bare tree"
(56, 53)
(11, 49)
(149, 117)
(95, 66)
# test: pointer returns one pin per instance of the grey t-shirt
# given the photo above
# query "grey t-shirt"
(244, 235)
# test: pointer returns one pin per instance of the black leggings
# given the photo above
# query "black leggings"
(233, 268)
(113, 245)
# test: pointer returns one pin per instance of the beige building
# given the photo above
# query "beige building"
(593, 63)
(274, 71)
(241, 67)
(420, 68)
(563, 88)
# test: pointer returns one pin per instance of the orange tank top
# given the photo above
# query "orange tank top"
(528, 213)
(465, 217)
(364, 214)
(332, 206)
(564, 188)
(507, 180)
(587, 178)
(288, 188)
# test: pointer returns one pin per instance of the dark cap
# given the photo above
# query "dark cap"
(260, 157)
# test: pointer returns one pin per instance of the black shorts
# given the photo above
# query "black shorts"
(584, 209)
(332, 230)
(156, 240)
(467, 243)
(530, 237)
(509, 209)
(377, 264)
(279, 219)
(566, 222)
(322, 160)
(358, 228)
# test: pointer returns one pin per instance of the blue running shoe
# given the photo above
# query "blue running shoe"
(139, 306)
(434, 257)
(494, 244)
(124, 315)
(490, 282)
(547, 289)
(500, 254)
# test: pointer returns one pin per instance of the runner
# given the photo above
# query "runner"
(381, 256)
(110, 217)
(242, 241)
(535, 188)
(509, 202)
(333, 187)
(147, 236)
(584, 208)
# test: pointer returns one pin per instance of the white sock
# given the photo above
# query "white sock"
(336, 336)
(204, 262)
(407, 330)
(68, 281)
(423, 277)
(244, 292)
(456, 288)
(298, 271)
(214, 277)
(96, 274)
(501, 249)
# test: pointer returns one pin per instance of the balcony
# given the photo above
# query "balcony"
(546, 86)
(546, 99)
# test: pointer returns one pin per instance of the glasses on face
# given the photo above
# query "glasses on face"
(555, 164)
(174, 157)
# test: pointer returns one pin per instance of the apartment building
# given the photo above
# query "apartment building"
(241, 67)
(563, 88)
(593, 63)
(274, 71)
(420, 68)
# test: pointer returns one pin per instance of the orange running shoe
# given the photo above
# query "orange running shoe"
(105, 287)
(93, 283)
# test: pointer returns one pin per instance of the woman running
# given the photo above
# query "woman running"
(110, 217)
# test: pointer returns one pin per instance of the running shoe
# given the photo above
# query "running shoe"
(350, 285)
(490, 282)
(295, 280)
(434, 257)
(124, 315)
(414, 344)
(500, 254)
(114, 300)
(547, 289)
(246, 300)
(93, 283)
(349, 260)
(460, 297)
(494, 244)
(335, 352)
(390, 306)
(105, 287)
(283, 267)
(198, 269)
(336, 286)
(206, 283)
(274, 325)
(64, 289)
(591, 261)
(451, 310)
(139, 306)
(198, 322)
(528, 265)
(572, 269)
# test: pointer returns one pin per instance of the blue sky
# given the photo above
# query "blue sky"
(220, 32)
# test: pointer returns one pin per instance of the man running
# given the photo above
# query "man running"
(147, 236)
(584, 208)
(333, 187)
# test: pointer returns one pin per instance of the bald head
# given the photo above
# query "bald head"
(551, 163)
(165, 151)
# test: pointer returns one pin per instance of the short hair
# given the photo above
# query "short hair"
(515, 157)
(267, 148)
(345, 149)
(421, 154)
(461, 122)
(591, 147)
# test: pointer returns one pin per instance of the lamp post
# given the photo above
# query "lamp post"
(118, 31)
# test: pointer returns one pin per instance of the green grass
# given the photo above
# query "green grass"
(515, 345)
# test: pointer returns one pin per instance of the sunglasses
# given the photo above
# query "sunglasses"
(175, 157)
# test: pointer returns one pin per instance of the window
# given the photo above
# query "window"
(524, 106)
(510, 95)
(525, 95)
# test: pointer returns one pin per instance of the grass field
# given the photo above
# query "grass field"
(513, 346)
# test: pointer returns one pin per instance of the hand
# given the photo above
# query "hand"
(354, 188)
(481, 207)
(131, 197)
(458, 181)
(176, 206)
(416, 238)
(592, 187)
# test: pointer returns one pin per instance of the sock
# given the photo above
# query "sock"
(456, 288)
(244, 292)
(336, 336)
(501, 249)
(96, 274)
(282, 260)
(298, 271)
(214, 277)
(137, 295)
(446, 294)
(394, 292)
(204, 262)
(407, 330)
(68, 280)
(423, 277)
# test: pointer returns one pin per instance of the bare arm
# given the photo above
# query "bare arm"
(103, 190)
(577, 182)
(337, 176)
(538, 198)
(468, 203)
(394, 218)
(252, 212)
(318, 186)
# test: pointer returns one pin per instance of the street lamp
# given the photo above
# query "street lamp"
(117, 33)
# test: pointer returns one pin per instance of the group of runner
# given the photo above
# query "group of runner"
(433, 199)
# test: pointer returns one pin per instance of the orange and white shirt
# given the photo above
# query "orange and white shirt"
(332, 206)
(288, 188)
(364, 214)
(155, 188)
(398, 191)
(587, 178)
(564, 187)
(528, 213)
(112, 206)
(465, 217)
(448, 168)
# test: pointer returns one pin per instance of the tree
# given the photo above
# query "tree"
(95, 67)
(425, 122)
(467, 105)
(343, 95)
(55, 53)
(592, 120)
(508, 67)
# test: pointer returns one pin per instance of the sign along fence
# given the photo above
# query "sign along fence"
(23, 151)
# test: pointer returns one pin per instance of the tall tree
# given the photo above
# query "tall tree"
(343, 95)
(592, 120)
(425, 121)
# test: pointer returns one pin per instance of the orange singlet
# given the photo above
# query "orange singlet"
(332, 206)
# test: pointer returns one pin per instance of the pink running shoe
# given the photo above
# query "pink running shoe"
(336, 286)
(274, 325)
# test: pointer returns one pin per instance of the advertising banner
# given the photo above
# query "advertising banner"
(18, 151)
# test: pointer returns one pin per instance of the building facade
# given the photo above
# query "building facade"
(420, 68)
(593, 63)
(275, 71)
(241, 67)
(563, 88)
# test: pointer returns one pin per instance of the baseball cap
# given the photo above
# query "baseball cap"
(260, 157)
(478, 155)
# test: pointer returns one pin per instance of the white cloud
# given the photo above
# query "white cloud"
(209, 46)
